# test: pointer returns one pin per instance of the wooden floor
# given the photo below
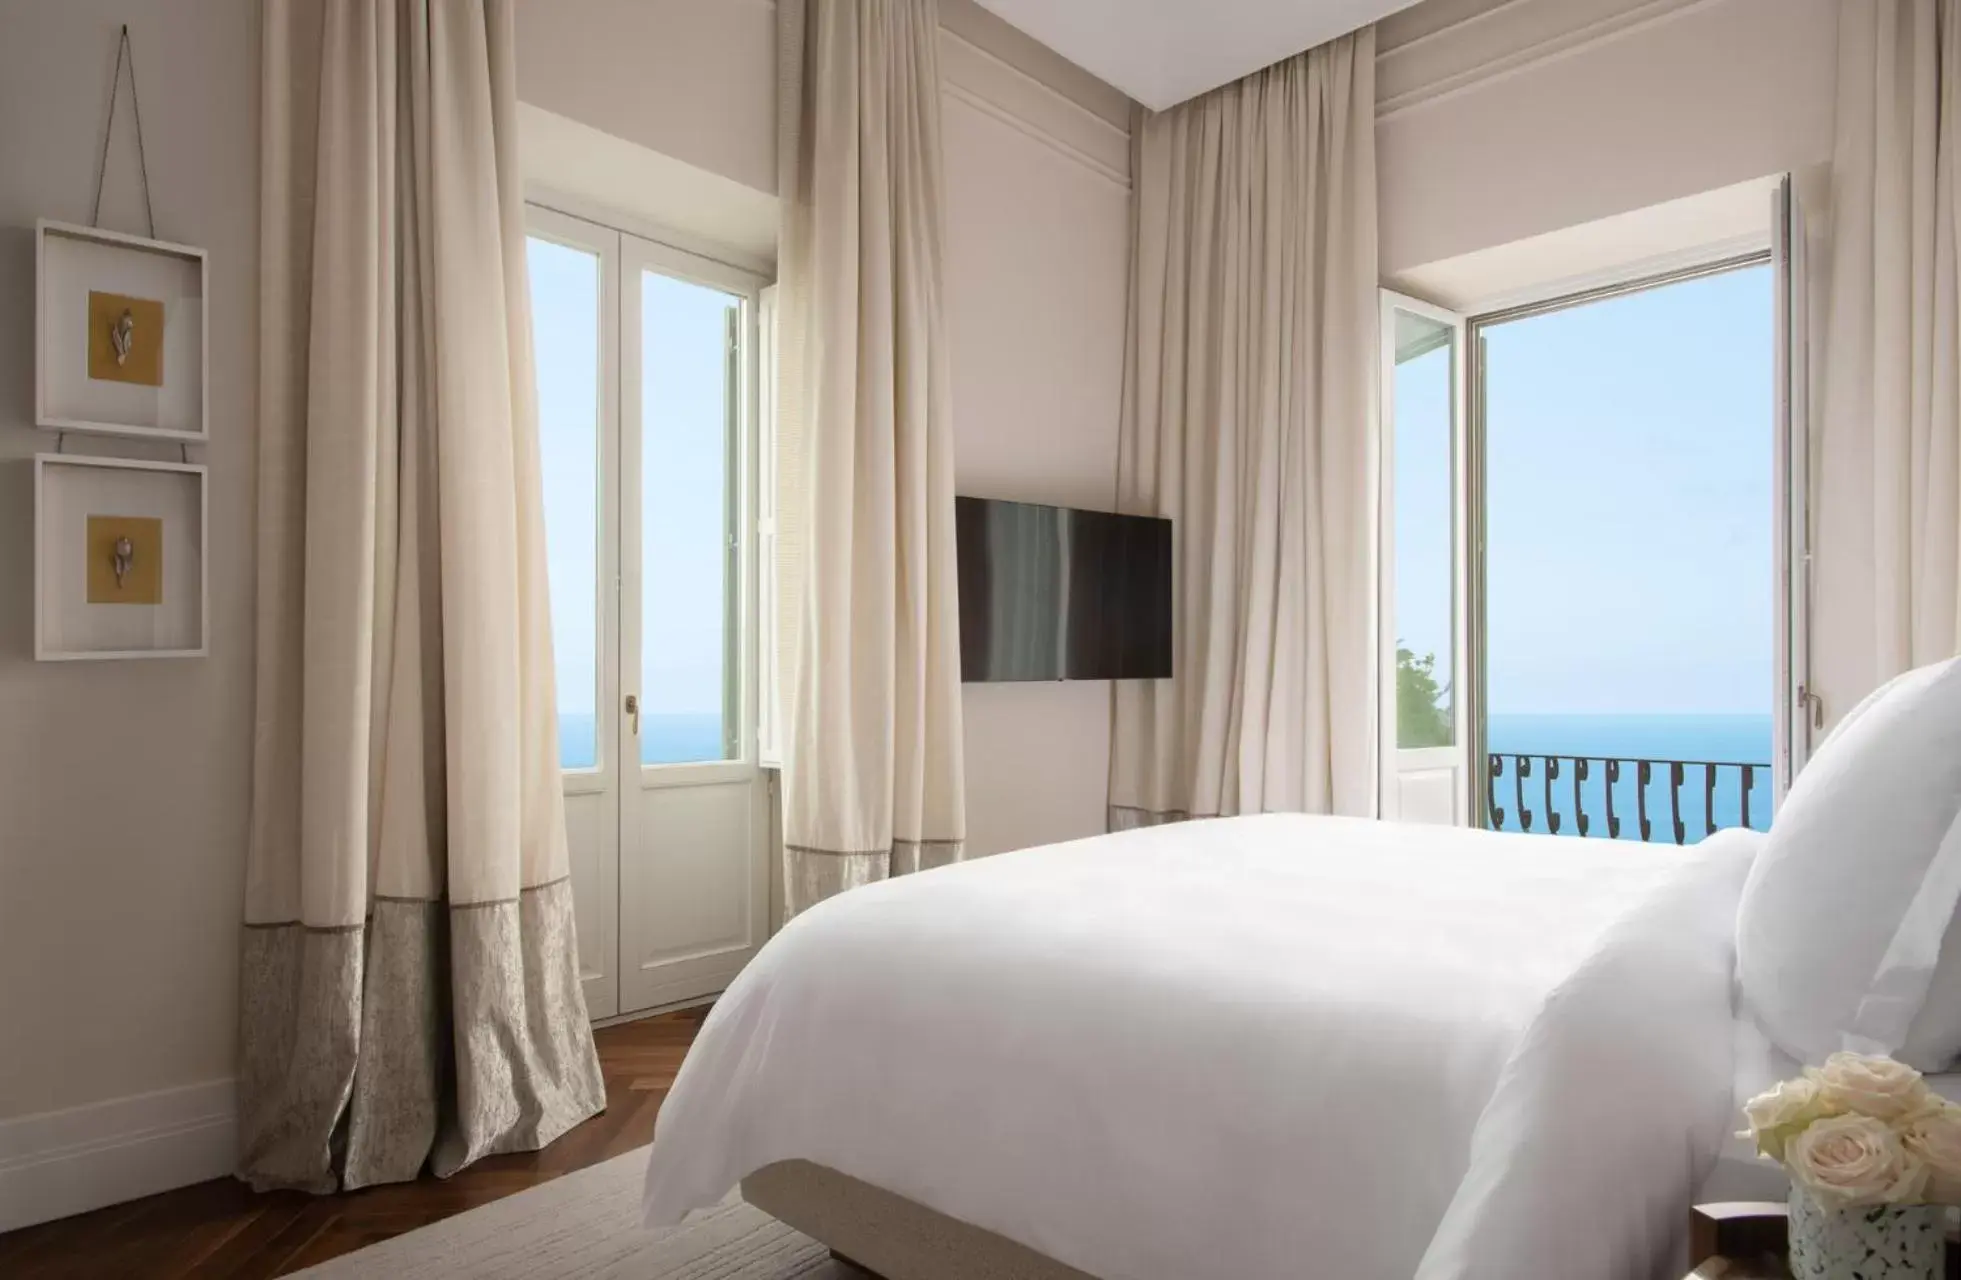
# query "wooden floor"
(224, 1231)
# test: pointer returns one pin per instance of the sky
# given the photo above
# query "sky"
(684, 518)
(1628, 481)
(1628, 489)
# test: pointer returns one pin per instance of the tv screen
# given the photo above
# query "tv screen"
(1053, 593)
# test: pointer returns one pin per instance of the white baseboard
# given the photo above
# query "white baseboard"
(65, 1162)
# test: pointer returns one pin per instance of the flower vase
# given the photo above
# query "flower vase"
(1877, 1242)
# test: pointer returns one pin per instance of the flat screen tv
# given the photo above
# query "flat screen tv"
(1053, 593)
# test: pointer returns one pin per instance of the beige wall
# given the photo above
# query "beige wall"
(123, 785)
(691, 79)
(1037, 262)
(1498, 122)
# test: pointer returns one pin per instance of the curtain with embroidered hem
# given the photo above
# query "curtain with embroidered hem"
(410, 994)
(872, 779)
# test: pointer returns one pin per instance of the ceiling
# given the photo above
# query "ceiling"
(1162, 52)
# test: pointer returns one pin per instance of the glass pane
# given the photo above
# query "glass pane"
(565, 337)
(1629, 550)
(686, 518)
(1425, 550)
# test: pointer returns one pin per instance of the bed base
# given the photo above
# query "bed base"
(888, 1235)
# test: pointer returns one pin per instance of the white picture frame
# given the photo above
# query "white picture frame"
(68, 489)
(72, 261)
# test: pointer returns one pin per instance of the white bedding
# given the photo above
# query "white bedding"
(1257, 1047)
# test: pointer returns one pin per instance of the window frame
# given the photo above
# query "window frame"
(740, 652)
(551, 225)
(626, 247)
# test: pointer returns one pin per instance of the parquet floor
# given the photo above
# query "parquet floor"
(224, 1231)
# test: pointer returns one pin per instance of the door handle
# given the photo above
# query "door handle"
(633, 709)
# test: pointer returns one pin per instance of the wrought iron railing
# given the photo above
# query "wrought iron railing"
(1566, 794)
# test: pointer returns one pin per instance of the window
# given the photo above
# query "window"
(690, 397)
(644, 391)
(1425, 541)
(566, 340)
(1630, 551)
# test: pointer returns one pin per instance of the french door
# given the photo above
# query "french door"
(1424, 594)
(646, 388)
(1799, 712)
(1461, 544)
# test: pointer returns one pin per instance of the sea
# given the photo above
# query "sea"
(664, 739)
(1725, 740)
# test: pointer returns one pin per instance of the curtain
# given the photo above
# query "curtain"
(1887, 519)
(872, 762)
(1249, 399)
(410, 987)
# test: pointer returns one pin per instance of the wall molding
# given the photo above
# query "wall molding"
(60, 1163)
(1021, 124)
(982, 79)
(1601, 30)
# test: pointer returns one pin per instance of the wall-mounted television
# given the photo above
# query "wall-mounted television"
(1054, 593)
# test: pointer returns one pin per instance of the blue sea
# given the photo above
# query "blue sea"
(1719, 739)
(664, 739)
(1726, 740)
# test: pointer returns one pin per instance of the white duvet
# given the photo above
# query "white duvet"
(1256, 1047)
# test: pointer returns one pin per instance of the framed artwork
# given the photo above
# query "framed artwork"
(118, 558)
(120, 334)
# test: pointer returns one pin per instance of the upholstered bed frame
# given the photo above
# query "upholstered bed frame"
(887, 1234)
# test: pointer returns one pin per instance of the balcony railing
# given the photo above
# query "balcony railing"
(1599, 795)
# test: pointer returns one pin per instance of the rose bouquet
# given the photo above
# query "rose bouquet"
(1872, 1153)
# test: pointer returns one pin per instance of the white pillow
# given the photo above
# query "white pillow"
(1841, 927)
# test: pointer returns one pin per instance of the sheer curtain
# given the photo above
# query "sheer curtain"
(409, 987)
(1887, 535)
(1248, 408)
(872, 769)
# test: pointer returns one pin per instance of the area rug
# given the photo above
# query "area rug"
(587, 1224)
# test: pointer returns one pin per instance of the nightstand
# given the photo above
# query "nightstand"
(1738, 1241)
(1747, 1241)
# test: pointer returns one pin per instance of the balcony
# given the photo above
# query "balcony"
(1624, 798)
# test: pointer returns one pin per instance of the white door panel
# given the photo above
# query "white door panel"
(694, 898)
(592, 828)
(1796, 704)
(575, 304)
(1422, 619)
(1428, 793)
(647, 430)
(693, 884)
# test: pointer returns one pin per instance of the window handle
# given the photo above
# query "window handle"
(633, 709)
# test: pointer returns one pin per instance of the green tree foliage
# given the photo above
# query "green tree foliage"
(1422, 705)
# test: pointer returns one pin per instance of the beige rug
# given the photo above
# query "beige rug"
(587, 1224)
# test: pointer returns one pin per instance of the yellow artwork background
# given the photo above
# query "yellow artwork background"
(143, 584)
(145, 363)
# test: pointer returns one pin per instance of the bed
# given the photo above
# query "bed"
(1253, 1047)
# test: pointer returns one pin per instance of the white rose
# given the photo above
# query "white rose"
(1854, 1161)
(1779, 1115)
(1876, 1087)
(1934, 1137)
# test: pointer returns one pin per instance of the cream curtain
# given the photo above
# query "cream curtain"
(1248, 406)
(1887, 534)
(872, 766)
(410, 989)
